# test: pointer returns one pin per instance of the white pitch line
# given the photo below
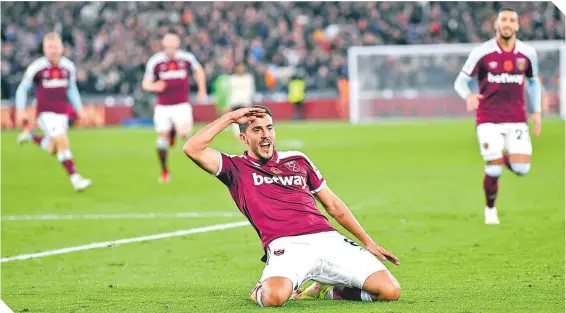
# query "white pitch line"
(106, 244)
(4, 308)
(48, 217)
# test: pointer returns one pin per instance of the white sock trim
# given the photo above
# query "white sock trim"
(366, 296)
(330, 294)
(162, 143)
(64, 155)
(258, 297)
(493, 170)
(44, 143)
(521, 168)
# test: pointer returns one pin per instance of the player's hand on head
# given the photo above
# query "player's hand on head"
(537, 123)
(245, 115)
(381, 253)
(473, 101)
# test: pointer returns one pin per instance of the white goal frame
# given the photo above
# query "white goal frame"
(418, 50)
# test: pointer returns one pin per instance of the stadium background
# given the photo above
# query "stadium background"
(110, 42)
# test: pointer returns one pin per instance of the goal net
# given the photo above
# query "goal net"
(417, 81)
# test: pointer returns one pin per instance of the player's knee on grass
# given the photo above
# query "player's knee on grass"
(521, 169)
(383, 286)
(275, 292)
(162, 143)
(390, 293)
(493, 170)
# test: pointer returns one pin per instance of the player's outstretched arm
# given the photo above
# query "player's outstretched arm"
(196, 148)
(534, 91)
(342, 214)
(21, 99)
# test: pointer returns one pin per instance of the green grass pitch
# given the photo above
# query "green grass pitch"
(415, 187)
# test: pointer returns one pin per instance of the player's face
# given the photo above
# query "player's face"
(507, 24)
(240, 69)
(260, 138)
(171, 44)
(53, 49)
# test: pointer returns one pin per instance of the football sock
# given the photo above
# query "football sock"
(172, 136)
(162, 145)
(37, 138)
(490, 186)
(347, 293)
(66, 158)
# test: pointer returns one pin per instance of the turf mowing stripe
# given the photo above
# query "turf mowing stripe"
(46, 217)
(124, 241)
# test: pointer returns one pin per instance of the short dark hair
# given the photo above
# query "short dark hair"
(506, 9)
(245, 126)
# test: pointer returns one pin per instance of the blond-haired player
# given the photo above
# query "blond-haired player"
(54, 79)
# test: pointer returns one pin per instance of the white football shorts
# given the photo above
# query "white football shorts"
(53, 124)
(165, 117)
(326, 257)
(493, 138)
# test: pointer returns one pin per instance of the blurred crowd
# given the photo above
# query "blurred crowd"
(110, 42)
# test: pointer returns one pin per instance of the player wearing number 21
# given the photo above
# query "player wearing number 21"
(276, 191)
(501, 65)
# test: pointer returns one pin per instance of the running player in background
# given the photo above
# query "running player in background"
(501, 65)
(167, 74)
(242, 90)
(54, 79)
(276, 191)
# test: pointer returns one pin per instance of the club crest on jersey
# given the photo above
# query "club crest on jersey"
(492, 64)
(275, 170)
(485, 145)
(64, 74)
(181, 64)
(508, 66)
(521, 63)
(279, 252)
(293, 166)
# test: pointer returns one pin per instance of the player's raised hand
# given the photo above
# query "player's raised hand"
(381, 253)
(537, 122)
(473, 101)
(245, 115)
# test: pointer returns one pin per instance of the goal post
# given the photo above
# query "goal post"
(416, 81)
